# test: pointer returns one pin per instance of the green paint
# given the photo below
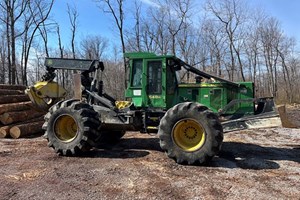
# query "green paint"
(153, 84)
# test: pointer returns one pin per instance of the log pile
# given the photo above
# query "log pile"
(17, 116)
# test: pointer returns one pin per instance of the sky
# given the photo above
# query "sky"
(92, 20)
(285, 11)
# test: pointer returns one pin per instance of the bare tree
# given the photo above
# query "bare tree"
(270, 36)
(114, 71)
(116, 9)
(284, 50)
(253, 49)
(73, 17)
(93, 47)
(159, 31)
(148, 37)
(137, 26)
(60, 74)
(177, 12)
(133, 36)
(231, 14)
(214, 41)
(60, 47)
(45, 29)
(3, 59)
(39, 12)
(13, 9)
(22, 19)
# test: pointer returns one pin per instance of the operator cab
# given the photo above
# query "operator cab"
(151, 80)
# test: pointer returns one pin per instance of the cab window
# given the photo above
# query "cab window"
(137, 70)
(154, 77)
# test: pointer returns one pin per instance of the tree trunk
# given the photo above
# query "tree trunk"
(13, 51)
(15, 107)
(8, 37)
(26, 129)
(13, 117)
(237, 52)
(13, 98)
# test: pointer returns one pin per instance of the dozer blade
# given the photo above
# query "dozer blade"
(45, 94)
(268, 116)
(267, 120)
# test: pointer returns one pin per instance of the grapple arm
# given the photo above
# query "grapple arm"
(44, 94)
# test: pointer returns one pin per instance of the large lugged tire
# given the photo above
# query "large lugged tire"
(190, 133)
(71, 127)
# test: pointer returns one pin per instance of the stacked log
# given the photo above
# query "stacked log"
(26, 129)
(18, 118)
(4, 130)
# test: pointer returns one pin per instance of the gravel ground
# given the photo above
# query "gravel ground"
(253, 164)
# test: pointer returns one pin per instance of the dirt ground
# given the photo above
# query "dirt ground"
(253, 164)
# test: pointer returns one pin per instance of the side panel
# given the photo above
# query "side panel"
(211, 95)
(216, 98)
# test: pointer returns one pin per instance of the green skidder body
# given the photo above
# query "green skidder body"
(189, 109)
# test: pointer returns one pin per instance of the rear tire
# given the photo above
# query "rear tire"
(190, 133)
(71, 127)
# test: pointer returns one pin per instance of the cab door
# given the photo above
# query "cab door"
(155, 81)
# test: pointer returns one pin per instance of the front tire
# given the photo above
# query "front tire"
(71, 127)
(190, 133)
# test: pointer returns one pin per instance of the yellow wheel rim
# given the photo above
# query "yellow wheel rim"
(188, 134)
(65, 128)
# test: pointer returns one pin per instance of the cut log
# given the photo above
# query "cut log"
(13, 117)
(4, 131)
(11, 92)
(13, 98)
(15, 107)
(26, 129)
(12, 87)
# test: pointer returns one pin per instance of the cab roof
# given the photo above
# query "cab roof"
(145, 55)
